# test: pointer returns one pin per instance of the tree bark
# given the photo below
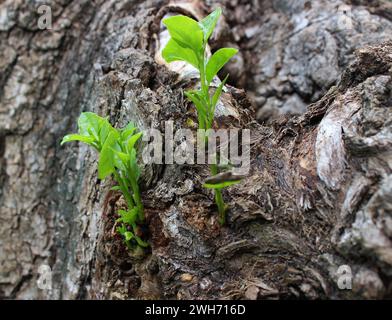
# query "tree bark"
(319, 193)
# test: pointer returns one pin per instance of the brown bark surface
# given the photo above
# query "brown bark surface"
(319, 192)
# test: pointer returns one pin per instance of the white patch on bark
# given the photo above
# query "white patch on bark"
(330, 151)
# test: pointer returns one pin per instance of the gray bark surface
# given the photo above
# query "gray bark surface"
(319, 193)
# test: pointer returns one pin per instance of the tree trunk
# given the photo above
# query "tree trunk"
(318, 196)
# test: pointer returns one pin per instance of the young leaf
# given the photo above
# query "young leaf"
(174, 52)
(105, 162)
(185, 31)
(105, 165)
(217, 94)
(120, 159)
(135, 171)
(117, 153)
(128, 131)
(217, 61)
(89, 123)
(208, 23)
(121, 213)
(105, 128)
(201, 112)
(121, 230)
(77, 137)
(220, 185)
(132, 140)
(115, 188)
(128, 235)
(128, 217)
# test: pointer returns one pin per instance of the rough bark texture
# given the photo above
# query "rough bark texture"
(318, 195)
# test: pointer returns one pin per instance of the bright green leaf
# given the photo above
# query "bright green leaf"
(132, 140)
(93, 130)
(121, 230)
(128, 235)
(105, 128)
(135, 171)
(174, 52)
(128, 217)
(185, 31)
(105, 162)
(89, 121)
(208, 23)
(120, 159)
(121, 212)
(134, 167)
(77, 137)
(217, 61)
(200, 107)
(128, 131)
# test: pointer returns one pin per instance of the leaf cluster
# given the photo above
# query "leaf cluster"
(117, 157)
(188, 43)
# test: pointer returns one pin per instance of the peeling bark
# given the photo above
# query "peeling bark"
(318, 195)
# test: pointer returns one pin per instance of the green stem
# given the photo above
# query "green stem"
(136, 194)
(221, 207)
(214, 168)
(204, 89)
(124, 190)
(202, 70)
(137, 198)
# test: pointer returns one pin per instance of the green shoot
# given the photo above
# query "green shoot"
(118, 157)
(188, 43)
